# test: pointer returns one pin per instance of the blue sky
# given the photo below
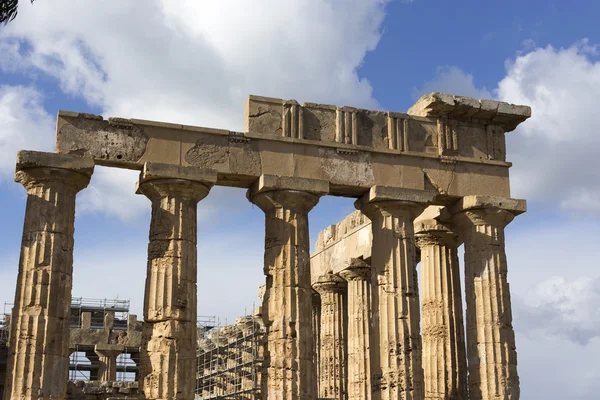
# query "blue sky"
(190, 62)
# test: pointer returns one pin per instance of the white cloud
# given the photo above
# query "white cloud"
(191, 62)
(554, 152)
(563, 308)
(25, 124)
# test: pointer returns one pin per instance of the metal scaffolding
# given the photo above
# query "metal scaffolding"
(98, 309)
(229, 361)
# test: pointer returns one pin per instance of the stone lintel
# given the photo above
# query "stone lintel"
(154, 170)
(469, 203)
(350, 148)
(442, 105)
(385, 193)
(109, 347)
(27, 159)
(267, 183)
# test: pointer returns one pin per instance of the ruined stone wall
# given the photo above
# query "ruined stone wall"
(337, 244)
(96, 390)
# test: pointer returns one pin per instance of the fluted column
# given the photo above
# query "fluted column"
(444, 354)
(358, 276)
(168, 354)
(332, 352)
(287, 306)
(107, 360)
(316, 321)
(397, 369)
(38, 362)
(491, 346)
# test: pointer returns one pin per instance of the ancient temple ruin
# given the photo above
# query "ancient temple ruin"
(434, 177)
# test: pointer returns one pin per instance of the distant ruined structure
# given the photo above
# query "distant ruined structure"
(428, 179)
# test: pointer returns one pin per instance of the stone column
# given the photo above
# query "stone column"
(358, 276)
(316, 327)
(332, 360)
(490, 337)
(107, 359)
(38, 361)
(287, 307)
(168, 354)
(444, 354)
(397, 369)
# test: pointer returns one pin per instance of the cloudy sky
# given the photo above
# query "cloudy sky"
(193, 62)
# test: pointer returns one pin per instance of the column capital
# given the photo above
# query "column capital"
(357, 270)
(161, 180)
(271, 191)
(35, 168)
(483, 210)
(285, 198)
(394, 201)
(329, 283)
(432, 232)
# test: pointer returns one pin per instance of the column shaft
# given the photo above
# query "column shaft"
(490, 337)
(168, 355)
(108, 364)
(397, 371)
(38, 363)
(332, 352)
(444, 354)
(287, 307)
(358, 276)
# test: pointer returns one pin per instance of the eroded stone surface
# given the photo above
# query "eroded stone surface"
(452, 150)
(169, 347)
(491, 350)
(38, 361)
(444, 354)
(287, 305)
(332, 342)
(397, 368)
(358, 276)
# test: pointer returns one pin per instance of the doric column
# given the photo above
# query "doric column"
(316, 326)
(444, 354)
(490, 337)
(397, 370)
(168, 354)
(107, 360)
(38, 362)
(287, 306)
(332, 360)
(358, 276)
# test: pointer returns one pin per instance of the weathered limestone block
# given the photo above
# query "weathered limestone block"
(287, 306)
(332, 352)
(337, 244)
(107, 354)
(168, 352)
(38, 362)
(453, 144)
(358, 276)
(491, 346)
(397, 369)
(444, 354)
(442, 105)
